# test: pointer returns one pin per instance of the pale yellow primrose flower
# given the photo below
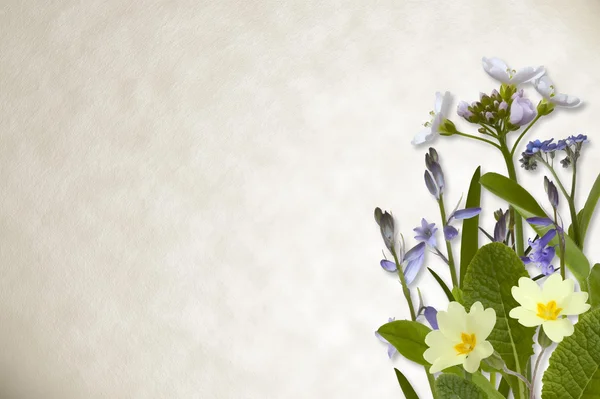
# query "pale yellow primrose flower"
(461, 338)
(549, 306)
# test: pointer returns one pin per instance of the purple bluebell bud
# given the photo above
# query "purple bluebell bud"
(552, 192)
(541, 254)
(522, 110)
(434, 155)
(426, 233)
(466, 213)
(414, 259)
(540, 221)
(500, 229)
(450, 232)
(438, 176)
(388, 266)
(431, 316)
(386, 226)
(431, 185)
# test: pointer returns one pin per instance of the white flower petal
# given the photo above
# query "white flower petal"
(484, 349)
(526, 317)
(453, 322)
(575, 304)
(527, 293)
(543, 85)
(439, 346)
(423, 136)
(564, 100)
(471, 363)
(481, 322)
(555, 289)
(444, 362)
(557, 329)
(496, 68)
(526, 74)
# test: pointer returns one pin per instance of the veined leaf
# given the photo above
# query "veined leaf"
(528, 207)
(450, 386)
(574, 370)
(408, 337)
(442, 284)
(470, 228)
(478, 379)
(504, 388)
(407, 389)
(586, 213)
(493, 272)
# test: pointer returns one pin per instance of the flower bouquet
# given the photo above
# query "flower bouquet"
(505, 297)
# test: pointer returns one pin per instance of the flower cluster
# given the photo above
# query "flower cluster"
(547, 150)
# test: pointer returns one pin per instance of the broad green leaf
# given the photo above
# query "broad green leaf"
(408, 337)
(458, 295)
(493, 272)
(574, 370)
(407, 389)
(586, 213)
(594, 286)
(450, 386)
(527, 206)
(504, 388)
(442, 284)
(478, 379)
(470, 228)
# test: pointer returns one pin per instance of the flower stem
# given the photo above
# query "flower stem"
(451, 262)
(535, 370)
(573, 211)
(493, 379)
(561, 245)
(512, 152)
(512, 173)
(405, 289)
(478, 138)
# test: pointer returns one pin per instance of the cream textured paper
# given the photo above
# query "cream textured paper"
(187, 187)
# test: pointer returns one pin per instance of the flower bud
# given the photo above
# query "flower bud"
(386, 225)
(447, 128)
(438, 176)
(522, 111)
(431, 185)
(545, 108)
(552, 192)
(433, 154)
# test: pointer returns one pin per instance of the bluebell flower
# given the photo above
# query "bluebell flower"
(388, 266)
(412, 261)
(542, 254)
(500, 229)
(431, 316)
(426, 233)
(450, 233)
(431, 186)
(391, 351)
(540, 221)
(551, 191)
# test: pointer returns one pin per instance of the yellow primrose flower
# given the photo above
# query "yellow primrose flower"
(461, 338)
(549, 305)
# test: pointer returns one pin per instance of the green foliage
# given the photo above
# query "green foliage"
(574, 371)
(470, 228)
(408, 337)
(407, 389)
(585, 215)
(493, 272)
(480, 380)
(450, 386)
(442, 284)
(527, 206)
(594, 286)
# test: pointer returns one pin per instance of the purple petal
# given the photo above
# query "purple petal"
(413, 268)
(415, 252)
(450, 233)
(391, 351)
(539, 221)
(388, 266)
(526, 260)
(547, 238)
(467, 213)
(431, 316)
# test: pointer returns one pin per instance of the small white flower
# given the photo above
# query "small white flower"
(461, 338)
(440, 110)
(498, 70)
(549, 305)
(545, 87)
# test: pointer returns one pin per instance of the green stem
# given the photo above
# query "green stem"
(561, 247)
(512, 173)
(512, 152)
(573, 211)
(405, 289)
(493, 379)
(477, 138)
(448, 244)
(535, 370)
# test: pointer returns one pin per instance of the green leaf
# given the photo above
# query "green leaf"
(408, 337)
(458, 295)
(493, 272)
(478, 379)
(504, 388)
(527, 206)
(574, 370)
(594, 286)
(407, 389)
(470, 227)
(450, 386)
(585, 215)
(442, 284)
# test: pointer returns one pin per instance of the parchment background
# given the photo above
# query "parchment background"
(187, 187)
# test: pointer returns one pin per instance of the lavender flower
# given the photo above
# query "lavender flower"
(541, 254)
(388, 266)
(412, 261)
(500, 230)
(426, 233)
(463, 110)
(450, 233)
(391, 351)
(430, 314)
(552, 192)
(386, 226)
(522, 111)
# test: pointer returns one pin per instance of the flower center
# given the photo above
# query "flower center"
(467, 345)
(549, 311)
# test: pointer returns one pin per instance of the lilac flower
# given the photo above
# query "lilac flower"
(522, 111)
(498, 70)
(450, 233)
(412, 261)
(545, 87)
(500, 229)
(391, 351)
(582, 138)
(388, 266)
(432, 128)
(541, 254)
(540, 221)
(426, 233)
(431, 316)
(463, 110)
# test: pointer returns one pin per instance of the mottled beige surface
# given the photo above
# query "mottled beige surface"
(187, 187)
